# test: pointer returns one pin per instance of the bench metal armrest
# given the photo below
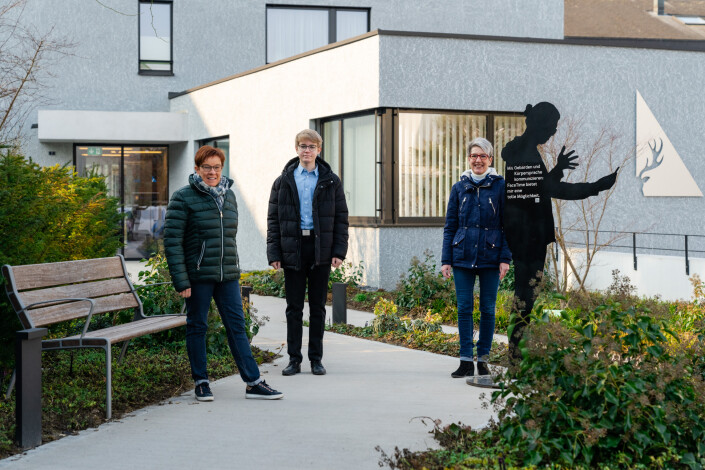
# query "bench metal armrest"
(150, 285)
(67, 300)
(183, 307)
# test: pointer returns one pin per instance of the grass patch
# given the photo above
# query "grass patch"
(73, 387)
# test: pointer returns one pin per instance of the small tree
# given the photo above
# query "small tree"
(26, 59)
(50, 214)
(600, 153)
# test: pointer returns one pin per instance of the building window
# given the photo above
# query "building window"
(294, 30)
(222, 143)
(413, 157)
(432, 158)
(351, 147)
(138, 176)
(155, 34)
(432, 149)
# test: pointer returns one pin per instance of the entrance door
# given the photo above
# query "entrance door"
(138, 176)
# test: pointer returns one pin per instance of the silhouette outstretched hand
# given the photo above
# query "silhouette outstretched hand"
(566, 161)
(606, 182)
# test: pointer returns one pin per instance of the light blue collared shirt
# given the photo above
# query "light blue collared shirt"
(305, 185)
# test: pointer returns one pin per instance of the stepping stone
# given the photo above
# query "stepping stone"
(488, 381)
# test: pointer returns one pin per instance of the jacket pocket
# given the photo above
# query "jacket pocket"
(200, 257)
(493, 240)
(459, 245)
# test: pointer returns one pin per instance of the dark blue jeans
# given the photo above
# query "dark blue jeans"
(464, 287)
(229, 302)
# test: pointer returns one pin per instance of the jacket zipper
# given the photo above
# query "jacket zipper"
(493, 209)
(200, 258)
(461, 204)
(222, 242)
(222, 235)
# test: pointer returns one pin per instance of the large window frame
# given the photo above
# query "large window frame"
(388, 158)
(340, 163)
(332, 22)
(122, 194)
(170, 62)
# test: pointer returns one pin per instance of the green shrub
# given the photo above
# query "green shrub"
(424, 284)
(268, 282)
(347, 273)
(614, 388)
(507, 283)
(50, 214)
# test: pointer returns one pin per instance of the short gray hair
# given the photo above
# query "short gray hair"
(483, 143)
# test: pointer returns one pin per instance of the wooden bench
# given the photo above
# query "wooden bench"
(45, 294)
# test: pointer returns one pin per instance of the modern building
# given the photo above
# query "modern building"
(397, 89)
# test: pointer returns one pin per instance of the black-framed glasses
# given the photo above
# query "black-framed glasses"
(208, 168)
(481, 156)
(308, 147)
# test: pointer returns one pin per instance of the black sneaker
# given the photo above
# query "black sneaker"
(203, 392)
(262, 391)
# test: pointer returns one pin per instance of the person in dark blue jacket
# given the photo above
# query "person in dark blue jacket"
(474, 246)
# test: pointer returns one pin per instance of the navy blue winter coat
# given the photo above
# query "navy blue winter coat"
(473, 236)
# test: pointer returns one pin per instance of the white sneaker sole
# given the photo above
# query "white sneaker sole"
(204, 398)
(254, 396)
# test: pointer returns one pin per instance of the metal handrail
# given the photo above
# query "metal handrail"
(687, 250)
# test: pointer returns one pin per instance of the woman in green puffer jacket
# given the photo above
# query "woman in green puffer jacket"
(199, 241)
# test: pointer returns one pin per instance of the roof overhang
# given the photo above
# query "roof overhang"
(112, 127)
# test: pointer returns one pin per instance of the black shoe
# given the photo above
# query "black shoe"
(203, 392)
(293, 368)
(317, 368)
(262, 391)
(483, 368)
(466, 369)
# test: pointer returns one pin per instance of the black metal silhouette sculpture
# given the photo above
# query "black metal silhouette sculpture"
(528, 215)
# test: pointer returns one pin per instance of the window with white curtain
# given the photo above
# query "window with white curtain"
(432, 157)
(350, 23)
(155, 29)
(409, 177)
(293, 30)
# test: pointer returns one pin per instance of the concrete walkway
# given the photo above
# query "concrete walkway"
(370, 397)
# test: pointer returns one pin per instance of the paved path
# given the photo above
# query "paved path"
(370, 397)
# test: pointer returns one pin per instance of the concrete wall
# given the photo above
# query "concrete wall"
(262, 113)
(655, 274)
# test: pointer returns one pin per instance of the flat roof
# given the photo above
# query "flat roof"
(631, 43)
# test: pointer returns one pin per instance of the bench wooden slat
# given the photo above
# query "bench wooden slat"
(58, 313)
(32, 276)
(83, 290)
(119, 333)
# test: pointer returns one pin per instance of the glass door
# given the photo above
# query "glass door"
(139, 177)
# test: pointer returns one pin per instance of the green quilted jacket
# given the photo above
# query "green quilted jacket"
(199, 240)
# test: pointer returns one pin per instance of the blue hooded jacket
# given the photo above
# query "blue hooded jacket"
(473, 236)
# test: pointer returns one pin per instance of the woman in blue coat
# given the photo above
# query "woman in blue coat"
(474, 246)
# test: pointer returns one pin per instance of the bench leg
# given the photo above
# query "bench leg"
(123, 351)
(108, 383)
